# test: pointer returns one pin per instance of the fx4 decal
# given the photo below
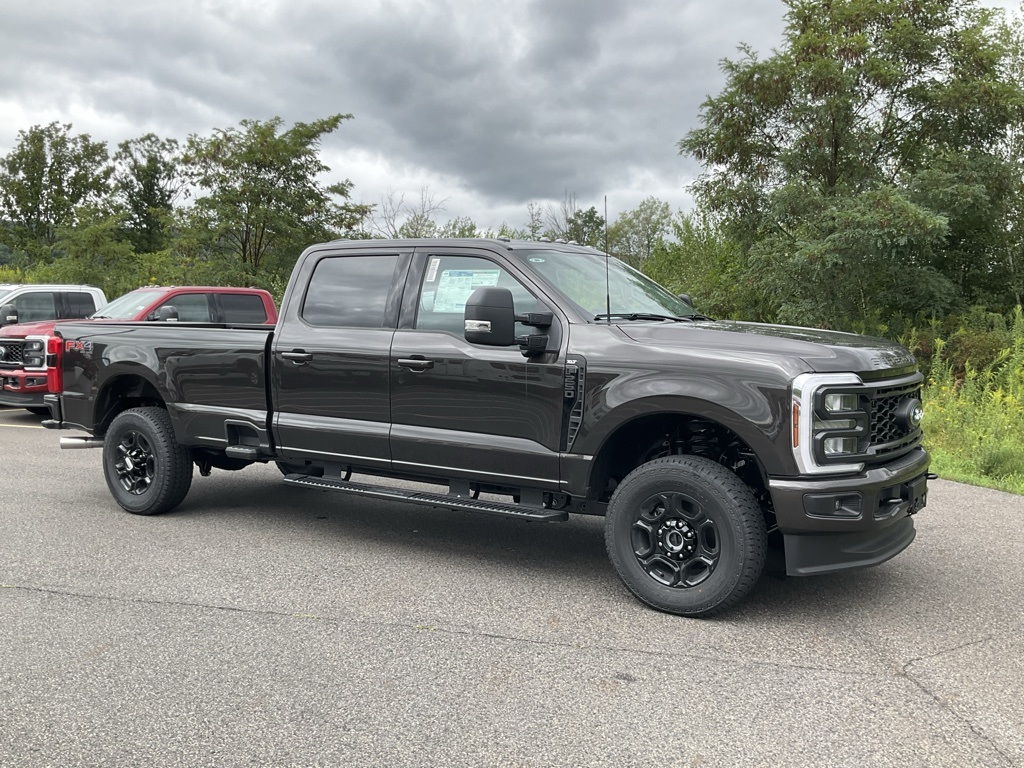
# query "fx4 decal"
(74, 345)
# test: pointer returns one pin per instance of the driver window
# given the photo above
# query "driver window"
(192, 307)
(35, 306)
(448, 283)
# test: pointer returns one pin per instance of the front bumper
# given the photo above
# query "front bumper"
(836, 524)
(21, 399)
(23, 388)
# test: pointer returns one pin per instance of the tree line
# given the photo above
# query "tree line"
(236, 207)
(866, 175)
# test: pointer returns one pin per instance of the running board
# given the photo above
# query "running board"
(434, 499)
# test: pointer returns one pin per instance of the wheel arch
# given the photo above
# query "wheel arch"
(656, 433)
(122, 392)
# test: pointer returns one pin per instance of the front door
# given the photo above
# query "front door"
(487, 413)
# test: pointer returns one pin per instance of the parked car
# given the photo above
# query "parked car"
(32, 302)
(29, 352)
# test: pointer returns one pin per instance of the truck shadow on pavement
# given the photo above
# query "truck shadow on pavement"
(573, 550)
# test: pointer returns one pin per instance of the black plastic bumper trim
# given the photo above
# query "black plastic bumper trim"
(814, 554)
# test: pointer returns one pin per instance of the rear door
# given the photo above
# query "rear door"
(79, 304)
(331, 357)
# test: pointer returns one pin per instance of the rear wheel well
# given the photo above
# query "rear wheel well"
(123, 393)
(673, 434)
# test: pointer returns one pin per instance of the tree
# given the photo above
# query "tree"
(94, 251)
(260, 194)
(535, 222)
(857, 168)
(558, 217)
(636, 233)
(460, 226)
(44, 179)
(395, 218)
(586, 228)
(698, 259)
(147, 181)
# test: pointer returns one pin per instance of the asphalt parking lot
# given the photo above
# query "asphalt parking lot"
(264, 625)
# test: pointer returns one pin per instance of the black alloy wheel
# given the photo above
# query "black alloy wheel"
(146, 470)
(686, 535)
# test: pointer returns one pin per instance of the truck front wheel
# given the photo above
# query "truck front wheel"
(146, 470)
(686, 535)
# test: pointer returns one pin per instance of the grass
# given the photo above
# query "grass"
(974, 419)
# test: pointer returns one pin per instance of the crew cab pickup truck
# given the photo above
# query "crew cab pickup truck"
(29, 352)
(531, 380)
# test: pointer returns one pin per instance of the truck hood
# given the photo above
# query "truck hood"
(822, 351)
(21, 330)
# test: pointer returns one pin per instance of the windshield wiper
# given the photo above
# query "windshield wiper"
(647, 316)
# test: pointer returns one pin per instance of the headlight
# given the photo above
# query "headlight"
(837, 403)
(829, 424)
(33, 353)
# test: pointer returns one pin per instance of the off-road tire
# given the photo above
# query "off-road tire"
(146, 470)
(686, 536)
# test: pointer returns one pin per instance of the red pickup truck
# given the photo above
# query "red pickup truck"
(30, 352)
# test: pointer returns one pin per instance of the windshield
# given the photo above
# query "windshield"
(581, 277)
(5, 292)
(128, 306)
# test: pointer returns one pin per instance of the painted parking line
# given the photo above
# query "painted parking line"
(22, 426)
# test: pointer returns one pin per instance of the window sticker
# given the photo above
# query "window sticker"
(432, 270)
(456, 285)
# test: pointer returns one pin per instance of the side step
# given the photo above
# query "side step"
(434, 499)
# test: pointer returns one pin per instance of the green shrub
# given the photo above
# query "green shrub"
(974, 416)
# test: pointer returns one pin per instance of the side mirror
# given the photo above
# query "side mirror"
(686, 297)
(8, 315)
(166, 314)
(490, 317)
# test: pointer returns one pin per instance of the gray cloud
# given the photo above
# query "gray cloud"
(492, 104)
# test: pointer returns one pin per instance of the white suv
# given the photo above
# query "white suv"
(33, 302)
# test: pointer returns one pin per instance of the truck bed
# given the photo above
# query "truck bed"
(205, 373)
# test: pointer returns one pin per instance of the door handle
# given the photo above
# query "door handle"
(415, 363)
(298, 357)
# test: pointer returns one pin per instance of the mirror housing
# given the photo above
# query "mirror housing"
(8, 315)
(685, 297)
(166, 314)
(490, 317)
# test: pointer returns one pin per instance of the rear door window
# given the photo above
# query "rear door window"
(350, 291)
(242, 308)
(79, 303)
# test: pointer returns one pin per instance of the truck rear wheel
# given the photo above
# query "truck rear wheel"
(146, 470)
(686, 535)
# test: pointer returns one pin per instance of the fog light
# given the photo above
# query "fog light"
(840, 446)
(838, 403)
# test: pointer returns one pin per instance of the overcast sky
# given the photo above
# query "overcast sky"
(491, 104)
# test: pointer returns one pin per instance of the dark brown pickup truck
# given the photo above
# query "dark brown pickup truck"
(532, 380)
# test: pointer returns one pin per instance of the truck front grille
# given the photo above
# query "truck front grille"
(10, 353)
(888, 435)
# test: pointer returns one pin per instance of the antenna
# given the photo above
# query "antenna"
(607, 260)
